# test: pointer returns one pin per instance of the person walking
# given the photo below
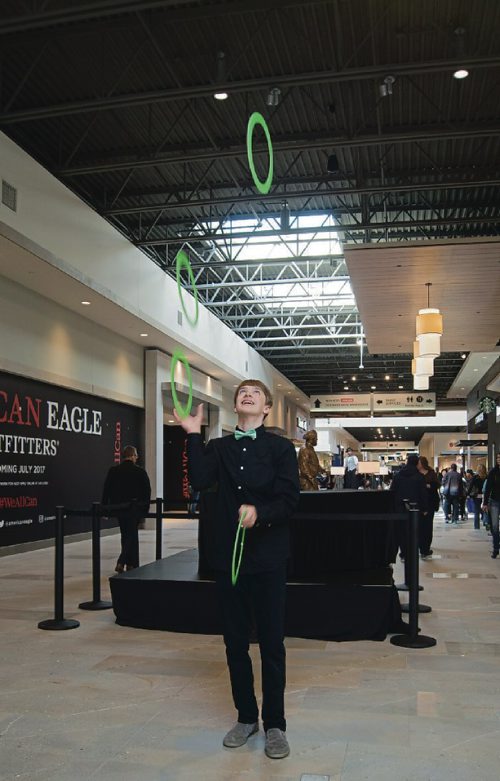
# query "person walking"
(257, 481)
(351, 470)
(425, 527)
(491, 504)
(128, 483)
(474, 491)
(409, 487)
(453, 490)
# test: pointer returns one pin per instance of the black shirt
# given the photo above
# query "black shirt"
(410, 485)
(492, 487)
(262, 472)
(126, 482)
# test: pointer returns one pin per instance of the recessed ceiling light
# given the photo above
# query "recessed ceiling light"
(171, 421)
(461, 73)
(463, 356)
(400, 387)
(374, 387)
(476, 370)
(353, 378)
(221, 95)
(85, 303)
(143, 334)
(346, 387)
(387, 377)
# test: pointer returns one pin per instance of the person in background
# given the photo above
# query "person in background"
(453, 490)
(309, 467)
(425, 527)
(474, 492)
(409, 486)
(128, 483)
(444, 501)
(491, 504)
(257, 482)
(351, 470)
(463, 496)
(483, 476)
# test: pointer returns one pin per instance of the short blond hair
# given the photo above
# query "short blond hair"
(256, 384)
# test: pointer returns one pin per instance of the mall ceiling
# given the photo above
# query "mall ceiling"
(369, 127)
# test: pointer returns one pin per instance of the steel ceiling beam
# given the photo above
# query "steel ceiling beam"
(291, 195)
(267, 282)
(227, 149)
(339, 228)
(104, 9)
(247, 85)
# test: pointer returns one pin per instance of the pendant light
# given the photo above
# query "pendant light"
(429, 329)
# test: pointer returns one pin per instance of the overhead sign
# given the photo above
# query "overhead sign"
(342, 403)
(404, 402)
(375, 403)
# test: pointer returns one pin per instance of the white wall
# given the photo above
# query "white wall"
(44, 341)
(77, 241)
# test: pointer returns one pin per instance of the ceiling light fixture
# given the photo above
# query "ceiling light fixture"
(285, 217)
(385, 88)
(273, 96)
(332, 165)
(143, 334)
(459, 32)
(221, 76)
(429, 326)
(85, 303)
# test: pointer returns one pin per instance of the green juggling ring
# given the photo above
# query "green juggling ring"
(239, 542)
(258, 119)
(183, 412)
(182, 261)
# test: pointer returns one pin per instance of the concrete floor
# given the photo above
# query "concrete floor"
(104, 702)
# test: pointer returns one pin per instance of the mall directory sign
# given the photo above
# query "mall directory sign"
(346, 404)
(56, 446)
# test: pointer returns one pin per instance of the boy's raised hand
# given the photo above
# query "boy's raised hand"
(191, 423)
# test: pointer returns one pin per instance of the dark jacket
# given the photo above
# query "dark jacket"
(410, 485)
(453, 484)
(475, 487)
(126, 482)
(261, 472)
(433, 485)
(492, 487)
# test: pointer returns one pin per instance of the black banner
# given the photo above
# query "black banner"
(56, 446)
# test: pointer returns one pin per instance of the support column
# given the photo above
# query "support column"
(214, 428)
(156, 366)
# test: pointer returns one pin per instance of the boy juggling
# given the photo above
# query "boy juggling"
(257, 482)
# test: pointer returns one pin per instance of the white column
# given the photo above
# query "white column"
(155, 367)
(214, 428)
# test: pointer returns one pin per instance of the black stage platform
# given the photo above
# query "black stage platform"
(171, 595)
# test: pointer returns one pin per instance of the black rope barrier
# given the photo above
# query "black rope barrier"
(414, 639)
(59, 622)
(97, 512)
(96, 603)
(159, 527)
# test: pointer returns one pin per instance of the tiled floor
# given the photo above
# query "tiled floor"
(104, 702)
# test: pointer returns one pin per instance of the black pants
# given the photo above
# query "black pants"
(261, 597)
(425, 529)
(129, 555)
(350, 478)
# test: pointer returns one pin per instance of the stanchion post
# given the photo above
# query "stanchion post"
(413, 639)
(96, 603)
(59, 622)
(159, 527)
